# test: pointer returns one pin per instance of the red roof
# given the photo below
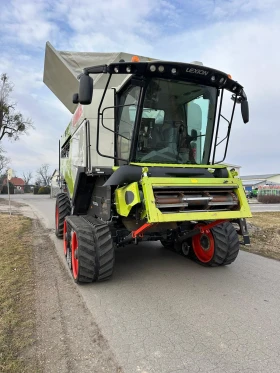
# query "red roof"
(17, 181)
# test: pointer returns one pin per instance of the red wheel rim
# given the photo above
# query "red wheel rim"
(75, 262)
(56, 217)
(65, 241)
(203, 245)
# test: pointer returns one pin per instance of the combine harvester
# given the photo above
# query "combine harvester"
(138, 160)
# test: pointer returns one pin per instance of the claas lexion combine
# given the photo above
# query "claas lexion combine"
(138, 160)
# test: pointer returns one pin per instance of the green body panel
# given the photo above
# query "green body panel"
(66, 134)
(66, 166)
(124, 208)
(67, 174)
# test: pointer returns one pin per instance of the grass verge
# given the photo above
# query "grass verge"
(264, 230)
(17, 310)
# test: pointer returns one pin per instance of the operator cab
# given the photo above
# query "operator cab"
(175, 126)
(165, 112)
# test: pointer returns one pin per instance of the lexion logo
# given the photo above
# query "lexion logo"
(197, 71)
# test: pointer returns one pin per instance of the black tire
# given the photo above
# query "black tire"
(226, 245)
(233, 244)
(62, 209)
(96, 254)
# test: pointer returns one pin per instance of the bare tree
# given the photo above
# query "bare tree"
(44, 177)
(12, 124)
(4, 162)
(27, 177)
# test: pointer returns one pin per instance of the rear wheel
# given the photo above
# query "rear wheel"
(62, 209)
(217, 246)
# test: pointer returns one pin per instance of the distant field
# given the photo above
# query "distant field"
(264, 230)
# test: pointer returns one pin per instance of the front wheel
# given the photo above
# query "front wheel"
(218, 246)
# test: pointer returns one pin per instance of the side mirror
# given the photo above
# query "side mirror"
(245, 111)
(194, 135)
(85, 89)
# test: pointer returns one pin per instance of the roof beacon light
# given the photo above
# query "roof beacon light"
(229, 76)
(197, 63)
(135, 59)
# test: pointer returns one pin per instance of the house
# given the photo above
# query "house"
(254, 181)
(17, 182)
(55, 179)
(55, 188)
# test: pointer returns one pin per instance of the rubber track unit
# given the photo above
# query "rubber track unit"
(96, 254)
(226, 245)
(64, 209)
(233, 244)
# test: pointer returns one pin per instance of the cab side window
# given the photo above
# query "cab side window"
(127, 114)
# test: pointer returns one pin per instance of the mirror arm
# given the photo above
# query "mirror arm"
(243, 95)
(101, 69)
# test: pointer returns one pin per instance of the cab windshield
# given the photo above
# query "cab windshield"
(177, 123)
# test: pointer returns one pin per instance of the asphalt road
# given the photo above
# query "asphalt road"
(162, 313)
(259, 207)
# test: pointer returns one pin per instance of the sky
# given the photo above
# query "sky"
(238, 37)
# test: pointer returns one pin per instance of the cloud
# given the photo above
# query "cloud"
(239, 37)
(26, 22)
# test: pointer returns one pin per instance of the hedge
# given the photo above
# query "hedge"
(44, 190)
(268, 199)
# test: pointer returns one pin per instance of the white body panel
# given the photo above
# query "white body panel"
(78, 149)
(61, 69)
(106, 137)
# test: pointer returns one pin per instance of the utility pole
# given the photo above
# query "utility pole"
(9, 177)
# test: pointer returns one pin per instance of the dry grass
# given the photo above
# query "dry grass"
(264, 230)
(16, 295)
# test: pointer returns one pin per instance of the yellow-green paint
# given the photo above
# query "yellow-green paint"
(154, 215)
(124, 208)
(66, 171)
(66, 135)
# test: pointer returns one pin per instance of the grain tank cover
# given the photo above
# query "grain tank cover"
(61, 69)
